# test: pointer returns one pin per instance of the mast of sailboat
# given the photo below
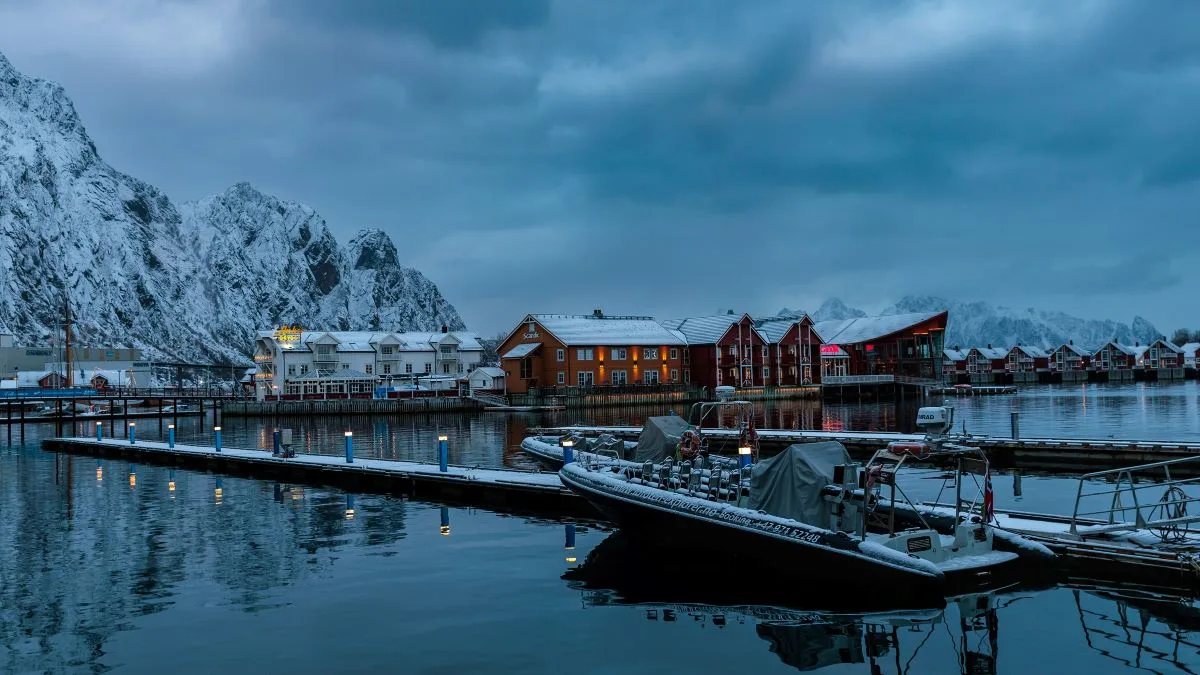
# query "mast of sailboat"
(67, 343)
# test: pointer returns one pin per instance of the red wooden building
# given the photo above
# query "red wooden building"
(954, 365)
(725, 349)
(1116, 356)
(1069, 358)
(987, 360)
(1027, 359)
(908, 345)
(1164, 354)
(794, 348)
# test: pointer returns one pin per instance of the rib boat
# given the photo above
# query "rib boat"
(808, 513)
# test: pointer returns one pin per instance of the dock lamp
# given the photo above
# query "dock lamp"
(443, 453)
(99, 431)
(217, 438)
(744, 456)
(170, 435)
(132, 433)
(349, 447)
(568, 446)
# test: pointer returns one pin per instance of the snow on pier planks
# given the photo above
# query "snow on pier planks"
(504, 487)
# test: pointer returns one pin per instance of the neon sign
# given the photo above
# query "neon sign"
(288, 334)
(831, 349)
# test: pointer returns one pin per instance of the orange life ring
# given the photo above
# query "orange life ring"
(689, 444)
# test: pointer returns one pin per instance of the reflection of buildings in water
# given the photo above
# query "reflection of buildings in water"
(1140, 630)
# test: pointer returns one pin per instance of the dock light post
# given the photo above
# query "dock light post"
(569, 546)
(275, 443)
(568, 451)
(170, 435)
(217, 438)
(132, 433)
(744, 456)
(99, 431)
(443, 453)
(445, 527)
(349, 447)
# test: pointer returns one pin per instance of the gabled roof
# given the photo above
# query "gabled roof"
(490, 371)
(584, 330)
(707, 330)
(1136, 350)
(1170, 346)
(992, 353)
(317, 375)
(1071, 347)
(956, 354)
(867, 328)
(1190, 348)
(365, 341)
(773, 328)
(1032, 352)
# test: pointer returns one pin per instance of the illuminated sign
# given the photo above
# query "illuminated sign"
(831, 349)
(288, 334)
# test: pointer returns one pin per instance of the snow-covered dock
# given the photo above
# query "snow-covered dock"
(517, 489)
(1067, 454)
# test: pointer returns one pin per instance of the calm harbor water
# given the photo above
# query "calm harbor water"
(102, 572)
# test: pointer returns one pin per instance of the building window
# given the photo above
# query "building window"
(324, 350)
(766, 373)
(560, 354)
(291, 370)
(428, 368)
(764, 351)
(526, 369)
(674, 375)
(407, 368)
(687, 357)
(618, 378)
(584, 354)
(345, 366)
(445, 368)
(303, 368)
(674, 353)
(369, 369)
(649, 352)
(388, 350)
(562, 377)
(586, 378)
(620, 354)
(687, 376)
(733, 350)
(650, 377)
(531, 327)
(447, 349)
(460, 367)
(387, 369)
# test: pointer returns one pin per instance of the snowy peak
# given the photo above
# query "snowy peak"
(834, 309)
(189, 283)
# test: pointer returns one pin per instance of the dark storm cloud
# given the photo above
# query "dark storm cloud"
(631, 150)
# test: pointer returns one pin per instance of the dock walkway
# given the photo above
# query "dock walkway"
(525, 489)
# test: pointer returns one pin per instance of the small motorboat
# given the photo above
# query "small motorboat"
(809, 513)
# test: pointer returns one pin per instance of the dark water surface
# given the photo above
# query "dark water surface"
(99, 572)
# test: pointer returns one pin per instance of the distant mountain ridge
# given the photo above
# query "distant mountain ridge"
(185, 283)
(978, 324)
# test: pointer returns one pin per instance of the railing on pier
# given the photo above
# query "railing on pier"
(1160, 506)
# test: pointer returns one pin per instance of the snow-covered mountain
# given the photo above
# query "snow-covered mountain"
(975, 324)
(191, 283)
(832, 309)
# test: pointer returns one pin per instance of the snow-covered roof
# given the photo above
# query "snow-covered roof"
(110, 376)
(1131, 350)
(703, 330)
(32, 378)
(365, 341)
(1171, 346)
(1071, 347)
(1032, 352)
(774, 328)
(521, 351)
(992, 353)
(604, 330)
(488, 371)
(1190, 348)
(867, 328)
(327, 376)
(956, 354)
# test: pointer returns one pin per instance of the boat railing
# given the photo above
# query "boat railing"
(1144, 497)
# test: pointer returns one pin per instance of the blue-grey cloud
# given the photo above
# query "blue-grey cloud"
(636, 150)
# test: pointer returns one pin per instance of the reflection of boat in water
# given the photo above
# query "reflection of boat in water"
(804, 510)
(821, 627)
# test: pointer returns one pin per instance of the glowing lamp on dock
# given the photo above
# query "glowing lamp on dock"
(744, 455)
(132, 433)
(349, 453)
(568, 446)
(443, 454)
(99, 431)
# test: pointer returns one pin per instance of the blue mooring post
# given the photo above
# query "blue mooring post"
(350, 447)
(132, 433)
(170, 435)
(275, 441)
(99, 431)
(445, 528)
(443, 455)
(217, 438)
(568, 448)
(744, 457)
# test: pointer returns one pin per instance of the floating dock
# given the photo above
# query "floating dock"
(1071, 455)
(989, 390)
(526, 490)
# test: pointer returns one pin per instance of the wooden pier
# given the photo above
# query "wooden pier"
(1071, 455)
(989, 390)
(352, 406)
(526, 490)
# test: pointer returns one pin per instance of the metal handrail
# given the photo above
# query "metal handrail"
(1173, 498)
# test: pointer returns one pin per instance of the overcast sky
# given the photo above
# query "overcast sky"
(671, 157)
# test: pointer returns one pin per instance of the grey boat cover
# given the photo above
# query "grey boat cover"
(789, 484)
(660, 438)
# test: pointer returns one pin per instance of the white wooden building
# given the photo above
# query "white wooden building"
(295, 363)
(487, 378)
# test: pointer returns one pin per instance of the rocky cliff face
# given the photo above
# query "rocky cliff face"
(191, 283)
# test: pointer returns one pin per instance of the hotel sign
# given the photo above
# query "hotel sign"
(288, 334)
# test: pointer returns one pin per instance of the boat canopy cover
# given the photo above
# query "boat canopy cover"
(660, 437)
(789, 484)
(607, 442)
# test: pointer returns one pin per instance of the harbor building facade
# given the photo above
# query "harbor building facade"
(899, 345)
(724, 350)
(45, 367)
(795, 349)
(295, 364)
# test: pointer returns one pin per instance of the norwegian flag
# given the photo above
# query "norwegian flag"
(989, 512)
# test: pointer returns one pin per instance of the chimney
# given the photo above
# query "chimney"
(598, 313)
(445, 328)
(1070, 342)
(989, 345)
